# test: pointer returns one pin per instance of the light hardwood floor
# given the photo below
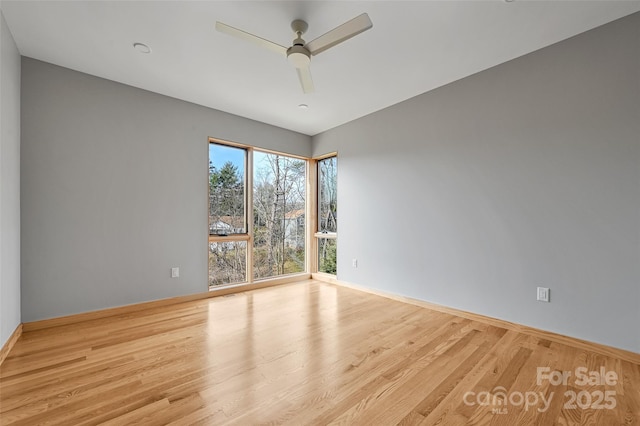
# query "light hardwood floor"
(304, 353)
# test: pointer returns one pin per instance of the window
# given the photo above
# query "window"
(257, 220)
(227, 215)
(227, 200)
(327, 251)
(227, 262)
(279, 184)
(327, 214)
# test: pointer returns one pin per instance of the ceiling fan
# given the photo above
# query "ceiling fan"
(300, 52)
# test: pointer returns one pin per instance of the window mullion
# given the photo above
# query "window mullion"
(312, 216)
(249, 214)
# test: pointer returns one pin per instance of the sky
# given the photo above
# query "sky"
(220, 154)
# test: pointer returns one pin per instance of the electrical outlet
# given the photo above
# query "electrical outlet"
(175, 272)
(543, 294)
(354, 263)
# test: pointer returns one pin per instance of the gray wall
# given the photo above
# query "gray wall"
(524, 175)
(114, 190)
(9, 183)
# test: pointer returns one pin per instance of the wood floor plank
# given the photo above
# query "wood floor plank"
(297, 354)
(446, 411)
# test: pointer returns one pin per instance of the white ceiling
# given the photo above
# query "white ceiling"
(413, 47)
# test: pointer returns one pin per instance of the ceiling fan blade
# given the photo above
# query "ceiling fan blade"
(339, 34)
(227, 29)
(304, 74)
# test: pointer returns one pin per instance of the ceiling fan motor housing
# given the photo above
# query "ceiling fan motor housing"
(298, 56)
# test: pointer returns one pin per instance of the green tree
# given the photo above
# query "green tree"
(226, 196)
(327, 255)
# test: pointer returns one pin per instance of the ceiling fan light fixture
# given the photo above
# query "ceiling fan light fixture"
(298, 56)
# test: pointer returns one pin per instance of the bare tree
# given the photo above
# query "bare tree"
(278, 200)
(327, 213)
(328, 195)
